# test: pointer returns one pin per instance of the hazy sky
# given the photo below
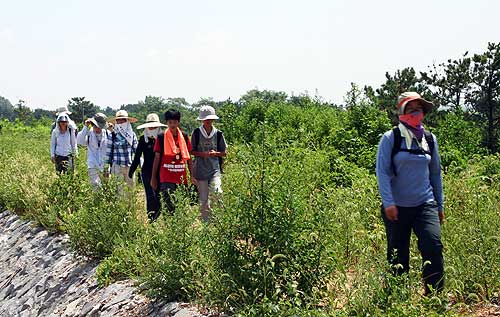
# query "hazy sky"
(116, 52)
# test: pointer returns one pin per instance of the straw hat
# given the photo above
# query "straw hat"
(152, 121)
(207, 113)
(122, 114)
(408, 96)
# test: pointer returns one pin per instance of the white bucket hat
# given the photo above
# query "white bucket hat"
(122, 114)
(408, 96)
(152, 121)
(207, 113)
(63, 109)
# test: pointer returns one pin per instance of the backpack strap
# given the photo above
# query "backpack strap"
(430, 141)
(396, 147)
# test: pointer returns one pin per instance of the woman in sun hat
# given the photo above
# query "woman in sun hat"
(94, 136)
(152, 128)
(209, 147)
(71, 123)
(121, 145)
(63, 147)
(410, 184)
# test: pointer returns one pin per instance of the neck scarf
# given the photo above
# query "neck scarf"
(205, 134)
(409, 136)
(413, 121)
(125, 130)
(170, 149)
(151, 133)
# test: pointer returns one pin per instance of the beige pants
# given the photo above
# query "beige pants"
(206, 187)
(121, 173)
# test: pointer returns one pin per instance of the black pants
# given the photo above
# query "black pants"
(152, 197)
(424, 221)
(64, 163)
(166, 200)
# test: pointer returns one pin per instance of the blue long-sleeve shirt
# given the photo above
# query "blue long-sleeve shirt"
(418, 177)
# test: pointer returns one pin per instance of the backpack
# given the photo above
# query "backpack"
(396, 147)
(196, 139)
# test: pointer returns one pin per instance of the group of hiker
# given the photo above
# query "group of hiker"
(407, 168)
(163, 151)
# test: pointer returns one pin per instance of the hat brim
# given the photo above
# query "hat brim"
(209, 117)
(426, 105)
(103, 125)
(130, 119)
(151, 125)
(65, 112)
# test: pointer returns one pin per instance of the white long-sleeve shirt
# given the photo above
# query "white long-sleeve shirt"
(63, 144)
(96, 146)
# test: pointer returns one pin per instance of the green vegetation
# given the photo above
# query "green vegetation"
(298, 231)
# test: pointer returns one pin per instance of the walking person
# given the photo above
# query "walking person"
(71, 123)
(63, 147)
(94, 136)
(209, 147)
(410, 184)
(145, 149)
(172, 156)
(120, 148)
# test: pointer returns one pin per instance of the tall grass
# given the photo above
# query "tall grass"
(297, 231)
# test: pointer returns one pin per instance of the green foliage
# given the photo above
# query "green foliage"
(297, 231)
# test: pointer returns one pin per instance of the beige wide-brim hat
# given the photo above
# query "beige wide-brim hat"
(63, 109)
(408, 96)
(122, 114)
(152, 121)
(207, 113)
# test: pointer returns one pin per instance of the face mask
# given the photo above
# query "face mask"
(413, 119)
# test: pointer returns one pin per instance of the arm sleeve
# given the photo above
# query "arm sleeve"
(53, 143)
(109, 146)
(137, 156)
(134, 142)
(384, 169)
(72, 141)
(435, 176)
(81, 138)
(223, 144)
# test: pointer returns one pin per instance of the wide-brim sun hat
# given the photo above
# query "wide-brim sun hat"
(99, 120)
(63, 109)
(207, 113)
(122, 114)
(408, 96)
(152, 121)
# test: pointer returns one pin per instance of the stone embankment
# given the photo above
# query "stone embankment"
(39, 276)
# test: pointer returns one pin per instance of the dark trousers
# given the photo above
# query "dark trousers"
(64, 163)
(152, 197)
(166, 199)
(424, 221)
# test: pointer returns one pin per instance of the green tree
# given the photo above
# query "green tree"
(23, 112)
(484, 95)
(450, 81)
(81, 108)
(6, 109)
